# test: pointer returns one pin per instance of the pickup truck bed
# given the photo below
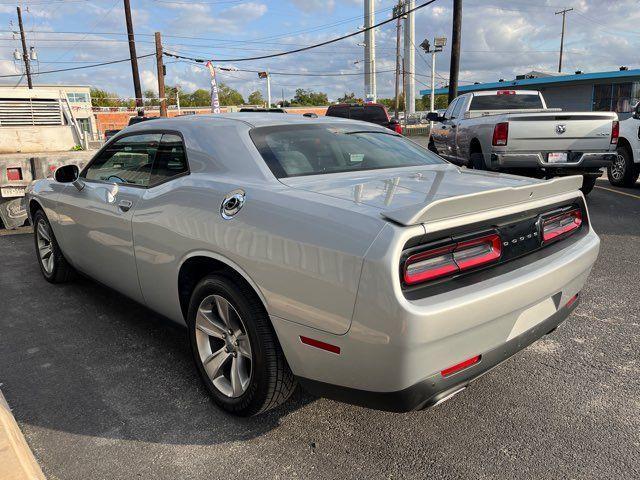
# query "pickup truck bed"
(524, 136)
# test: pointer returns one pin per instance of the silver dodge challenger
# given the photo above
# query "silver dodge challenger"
(324, 252)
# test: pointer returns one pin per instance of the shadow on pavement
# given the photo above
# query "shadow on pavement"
(84, 359)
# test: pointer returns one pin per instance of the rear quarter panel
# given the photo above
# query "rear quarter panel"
(303, 256)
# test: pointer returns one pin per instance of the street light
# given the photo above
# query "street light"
(268, 77)
(438, 45)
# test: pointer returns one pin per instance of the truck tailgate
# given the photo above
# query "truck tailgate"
(560, 132)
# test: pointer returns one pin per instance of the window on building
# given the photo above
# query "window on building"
(78, 97)
(84, 124)
(616, 97)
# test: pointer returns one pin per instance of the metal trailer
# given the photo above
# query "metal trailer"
(16, 173)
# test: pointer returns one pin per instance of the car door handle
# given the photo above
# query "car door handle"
(125, 205)
(453, 126)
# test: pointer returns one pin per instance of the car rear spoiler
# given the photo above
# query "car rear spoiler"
(463, 205)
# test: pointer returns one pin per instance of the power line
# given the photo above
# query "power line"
(82, 67)
(304, 49)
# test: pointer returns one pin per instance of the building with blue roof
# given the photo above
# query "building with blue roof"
(617, 91)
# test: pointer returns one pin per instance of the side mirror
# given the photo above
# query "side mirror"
(636, 113)
(66, 174)
(434, 117)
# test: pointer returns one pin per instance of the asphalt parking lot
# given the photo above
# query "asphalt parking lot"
(104, 388)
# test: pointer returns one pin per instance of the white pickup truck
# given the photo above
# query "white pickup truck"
(624, 171)
(514, 131)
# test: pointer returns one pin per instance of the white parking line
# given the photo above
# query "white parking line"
(617, 191)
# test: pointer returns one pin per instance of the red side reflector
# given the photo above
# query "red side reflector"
(321, 345)
(615, 131)
(561, 225)
(14, 174)
(571, 301)
(500, 134)
(460, 366)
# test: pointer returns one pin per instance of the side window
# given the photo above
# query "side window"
(128, 160)
(448, 112)
(340, 112)
(458, 107)
(170, 161)
(357, 113)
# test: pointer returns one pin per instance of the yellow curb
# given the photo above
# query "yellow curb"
(16, 460)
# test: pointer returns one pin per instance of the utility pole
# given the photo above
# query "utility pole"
(397, 12)
(25, 55)
(268, 90)
(160, 65)
(178, 98)
(456, 35)
(564, 17)
(134, 58)
(370, 93)
(410, 57)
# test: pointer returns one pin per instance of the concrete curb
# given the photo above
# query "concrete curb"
(16, 460)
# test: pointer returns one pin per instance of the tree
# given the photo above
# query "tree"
(349, 98)
(102, 98)
(305, 98)
(441, 102)
(256, 98)
(228, 95)
(390, 103)
(150, 98)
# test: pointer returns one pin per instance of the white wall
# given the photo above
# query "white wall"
(37, 139)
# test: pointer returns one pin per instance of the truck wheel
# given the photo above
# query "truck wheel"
(622, 172)
(588, 182)
(235, 348)
(53, 265)
(432, 147)
(477, 161)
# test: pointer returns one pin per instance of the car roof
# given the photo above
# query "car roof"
(246, 120)
(358, 105)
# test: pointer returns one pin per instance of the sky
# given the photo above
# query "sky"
(500, 39)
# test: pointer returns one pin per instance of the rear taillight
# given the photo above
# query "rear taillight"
(397, 128)
(506, 92)
(450, 259)
(561, 225)
(615, 131)
(500, 134)
(14, 174)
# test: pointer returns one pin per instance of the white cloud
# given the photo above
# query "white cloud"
(149, 80)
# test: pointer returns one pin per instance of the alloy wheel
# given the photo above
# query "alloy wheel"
(45, 248)
(223, 346)
(618, 167)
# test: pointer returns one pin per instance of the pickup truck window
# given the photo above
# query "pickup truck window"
(505, 102)
(449, 110)
(457, 108)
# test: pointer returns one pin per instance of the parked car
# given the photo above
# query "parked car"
(320, 251)
(368, 112)
(514, 131)
(624, 171)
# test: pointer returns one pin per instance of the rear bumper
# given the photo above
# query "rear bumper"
(437, 388)
(589, 160)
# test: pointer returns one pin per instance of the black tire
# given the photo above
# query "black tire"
(477, 161)
(432, 147)
(623, 172)
(588, 182)
(271, 382)
(60, 271)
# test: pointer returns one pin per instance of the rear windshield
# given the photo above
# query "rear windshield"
(505, 102)
(369, 114)
(295, 150)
